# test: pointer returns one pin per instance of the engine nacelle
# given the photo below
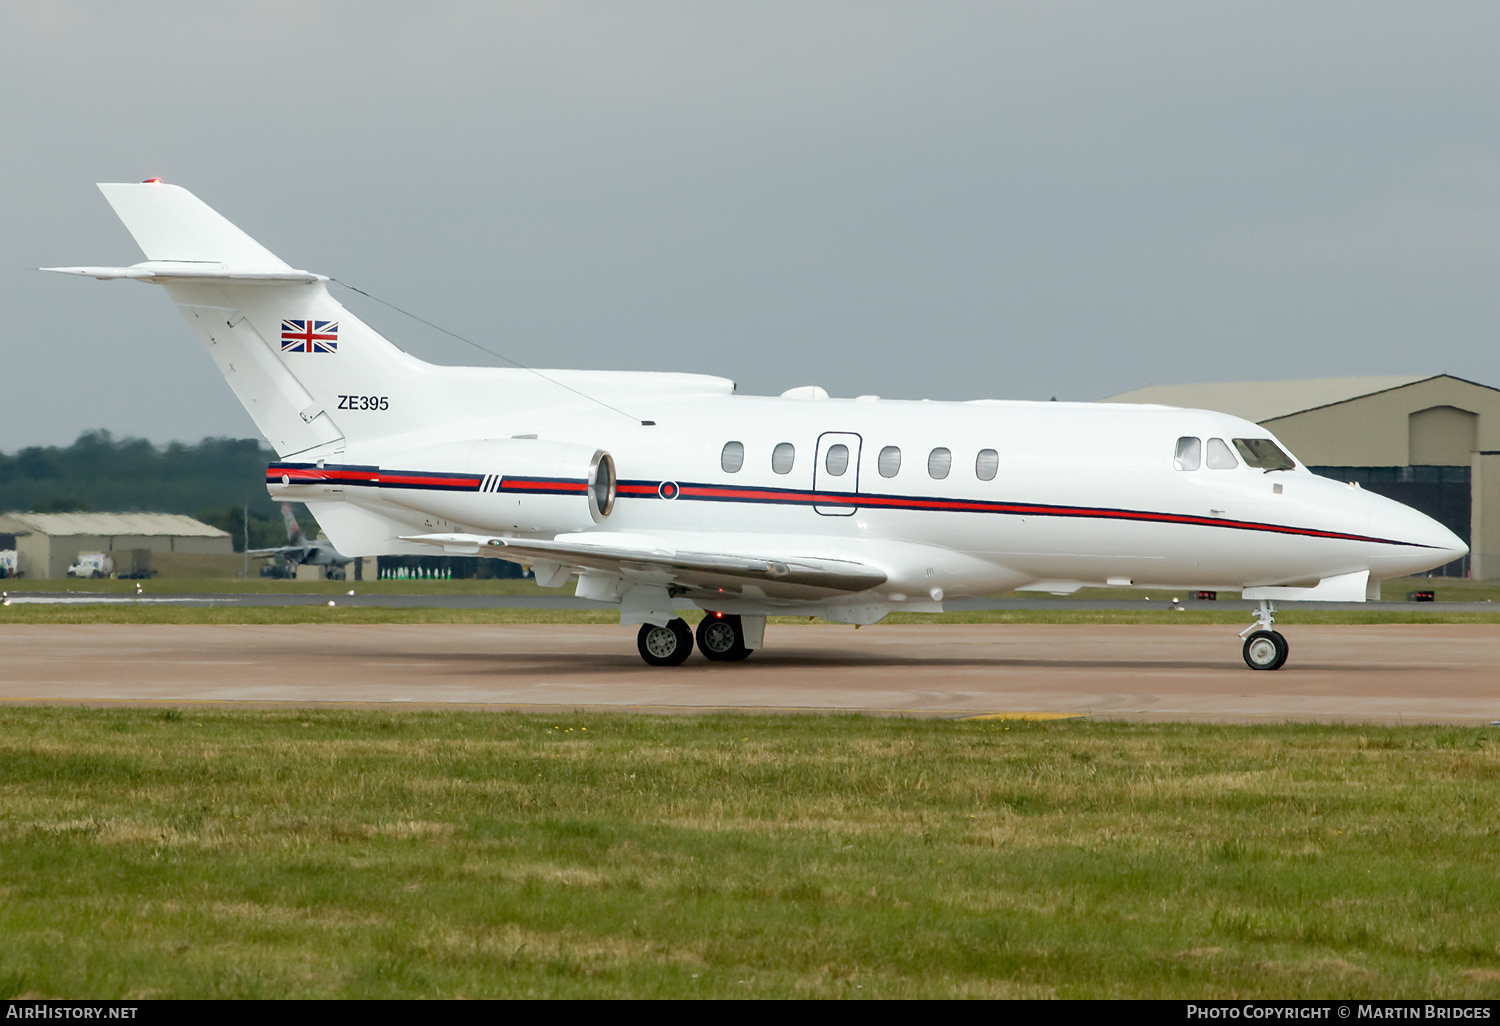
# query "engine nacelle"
(510, 485)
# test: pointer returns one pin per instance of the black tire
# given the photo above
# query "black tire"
(665, 646)
(1266, 650)
(721, 637)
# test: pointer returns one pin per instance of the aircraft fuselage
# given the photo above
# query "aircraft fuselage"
(1076, 492)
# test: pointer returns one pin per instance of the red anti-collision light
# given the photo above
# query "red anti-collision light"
(152, 181)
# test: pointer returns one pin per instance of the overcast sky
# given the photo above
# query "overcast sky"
(926, 199)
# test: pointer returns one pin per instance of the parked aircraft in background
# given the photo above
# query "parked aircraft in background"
(300, 551)
(663, 491)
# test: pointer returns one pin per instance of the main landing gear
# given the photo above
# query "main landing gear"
(1265, 649)
(721, 638)
(665, 646)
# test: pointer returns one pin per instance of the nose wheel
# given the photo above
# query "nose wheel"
(1265, 648)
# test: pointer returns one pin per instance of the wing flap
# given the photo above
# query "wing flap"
(778, 574)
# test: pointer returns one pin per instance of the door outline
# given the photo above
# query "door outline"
(822, 478)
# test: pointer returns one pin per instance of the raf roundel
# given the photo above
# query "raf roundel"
(668, 490)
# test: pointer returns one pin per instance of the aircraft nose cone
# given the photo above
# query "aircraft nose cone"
(1422, 542)
(1454, 547)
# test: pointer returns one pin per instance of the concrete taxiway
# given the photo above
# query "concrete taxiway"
(1388, 673)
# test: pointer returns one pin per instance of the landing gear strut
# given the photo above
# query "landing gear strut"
(721, 638)
(1265, 649)
(665, 646)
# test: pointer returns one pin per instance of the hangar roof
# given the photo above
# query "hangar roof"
(1261, 401)
(175, 525)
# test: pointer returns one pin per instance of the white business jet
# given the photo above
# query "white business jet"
(664, 491)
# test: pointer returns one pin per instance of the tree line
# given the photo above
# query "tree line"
(211, 480)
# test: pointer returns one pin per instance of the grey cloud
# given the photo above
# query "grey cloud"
(945, 200)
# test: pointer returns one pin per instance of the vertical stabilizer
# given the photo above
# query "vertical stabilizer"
(311, 374)
(171, 224)
(293, 532)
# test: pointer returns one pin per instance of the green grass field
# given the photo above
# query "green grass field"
(165, 853)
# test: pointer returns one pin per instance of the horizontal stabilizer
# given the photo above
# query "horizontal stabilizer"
(160, 271)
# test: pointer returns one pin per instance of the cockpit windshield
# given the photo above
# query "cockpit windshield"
(1264, 454)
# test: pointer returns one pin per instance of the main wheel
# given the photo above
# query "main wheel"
(665, 646)
(1266, 650)
(722, 638)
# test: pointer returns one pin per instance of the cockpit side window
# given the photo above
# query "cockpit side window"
(1219, 456)
(1189, 454)
(1264, 454)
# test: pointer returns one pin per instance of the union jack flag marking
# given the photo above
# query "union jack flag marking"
(309, 336)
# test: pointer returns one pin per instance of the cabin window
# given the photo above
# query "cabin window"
(837, 459)
(782, 457)
(1263, 454)
(733, 457)
(1189, 454)
(889, 463)
(939, 462)
(1219, 456)
(986, 464)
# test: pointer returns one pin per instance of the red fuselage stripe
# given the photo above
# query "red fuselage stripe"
(786, 496)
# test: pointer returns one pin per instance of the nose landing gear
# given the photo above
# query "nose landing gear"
(1265, 649)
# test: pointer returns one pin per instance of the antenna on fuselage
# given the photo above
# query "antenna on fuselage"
(491, 352)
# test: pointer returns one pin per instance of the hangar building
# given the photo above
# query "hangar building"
(1432, 442)
(48, 543)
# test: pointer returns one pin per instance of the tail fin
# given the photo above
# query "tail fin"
(309, 372)
(293, 532)
(170, 224)
(316, 379)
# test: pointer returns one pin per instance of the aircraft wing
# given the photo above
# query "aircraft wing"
(285, 550)
(790, 576)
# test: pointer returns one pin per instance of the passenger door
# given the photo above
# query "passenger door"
(836, 470)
